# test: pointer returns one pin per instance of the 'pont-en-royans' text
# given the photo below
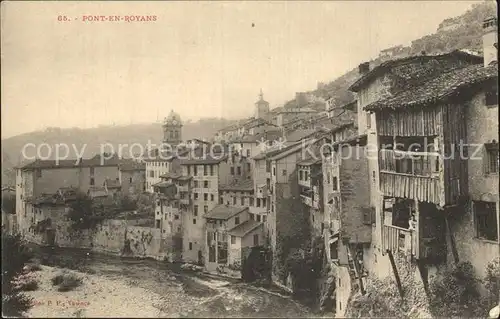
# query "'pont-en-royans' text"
(108, 18)
(127, 18)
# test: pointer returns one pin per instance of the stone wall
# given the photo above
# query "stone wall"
(117, 237)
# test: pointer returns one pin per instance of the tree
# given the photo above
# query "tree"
(14, 257)
(81, 213)
(9, 203)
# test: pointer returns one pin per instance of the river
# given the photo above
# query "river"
(184, 293)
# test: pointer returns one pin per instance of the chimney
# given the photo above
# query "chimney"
(490, 40)
(364, 68)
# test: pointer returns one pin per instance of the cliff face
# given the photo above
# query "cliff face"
(462, 32)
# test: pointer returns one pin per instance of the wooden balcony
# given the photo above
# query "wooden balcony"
(262, 191)
(412, 175)
(306, 200)
(397, 239)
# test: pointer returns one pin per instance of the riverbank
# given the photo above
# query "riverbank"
(152, 289)
(95, 297)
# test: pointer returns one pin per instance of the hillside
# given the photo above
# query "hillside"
(463, 32)
(125, 135)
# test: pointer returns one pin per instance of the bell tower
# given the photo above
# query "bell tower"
(261, 107)
(172, 129)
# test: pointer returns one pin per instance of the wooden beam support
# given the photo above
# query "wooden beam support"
(396, 274)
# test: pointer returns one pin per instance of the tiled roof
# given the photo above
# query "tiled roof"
(112, 183)
(72, 163)
(97, 192)
(256, 122)
(267, 136)
(244, 228)
(239, 185)
(437, 89)
(224, 212)
(348, 106)
(383, 67)
(176, 176)
(130, 165)
(163, 184)
(296, 148)
(309, 161)
(274, 150)
(298, 110)
(204, 160)
(299, 134)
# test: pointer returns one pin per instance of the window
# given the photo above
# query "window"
(189, 169)
(190, 246)
(232, 170)
(251, 201)
(205, 209)
(194, 221)
(158, 223)
(236, 220)
(328, 178)
(335, 183)
(238, 170)
(256, 240)
(274, 171)
(234, 200)
(284, 172)
(92, 182)
(221, 200)
(258, 202)
(176, 216)
(92, 171)
(130, 180)
(233, 240)
(212, 197)
(491, 98)
(368, 120)
(485, 217)
(205, 184)
(211, 170)
(301, 175)
(205, 197)
(195, 195)
(248, 154)
(249, 168)
(258, 217)
(195, 170)
(306, 175)
(334, 252)
(264, 218)
(205, 170)
(242, 201)
(491, 158)
(251, 216)
(195, 184)
(263, 202)
(195, 210)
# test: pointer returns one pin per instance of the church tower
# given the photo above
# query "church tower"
(261, 107)
(172, 129)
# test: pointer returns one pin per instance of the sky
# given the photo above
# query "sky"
(201, 59)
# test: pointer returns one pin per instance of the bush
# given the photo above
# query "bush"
(492, 282)
(456, 293)
(32, 267)
(381, 299)
(66, 282)
(30, 285)
(14, 256)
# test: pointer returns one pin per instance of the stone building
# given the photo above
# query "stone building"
(433, 205)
